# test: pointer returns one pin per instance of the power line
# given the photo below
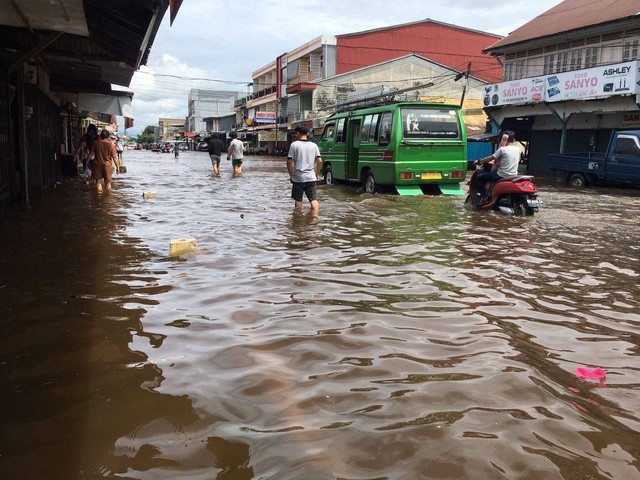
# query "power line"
(231, 82)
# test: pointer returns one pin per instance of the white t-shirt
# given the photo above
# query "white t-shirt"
(237, 149)
(304, 154)
(508, 158)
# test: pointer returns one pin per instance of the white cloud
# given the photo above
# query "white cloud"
(228, 41)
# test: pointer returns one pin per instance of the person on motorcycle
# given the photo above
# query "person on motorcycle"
(507, 159)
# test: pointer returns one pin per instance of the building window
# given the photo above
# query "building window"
(514, 70)
(549, 64)
(591, 57)
(563, 60)
(508, 71)
(576, 59)
(630, 51)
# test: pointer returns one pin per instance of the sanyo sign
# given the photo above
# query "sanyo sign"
(618, 79)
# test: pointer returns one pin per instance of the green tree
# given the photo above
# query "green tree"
(149, 129)
(144, 138)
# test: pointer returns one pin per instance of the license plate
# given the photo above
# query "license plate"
(534, 202)
(431, 176)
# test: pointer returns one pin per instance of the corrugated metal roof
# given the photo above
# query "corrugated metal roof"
(120, 35)
(446, 44)
(67, 16)
(419, 22)
(570, 15)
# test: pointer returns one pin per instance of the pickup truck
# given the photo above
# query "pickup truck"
(619, 164)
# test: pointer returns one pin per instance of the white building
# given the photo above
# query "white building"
(208, 103)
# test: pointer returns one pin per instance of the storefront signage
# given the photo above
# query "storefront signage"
(618, 79)
(526, 90)
(468, 112)
(629, 119)
(265, 117)
(270, 136)
(609, 80)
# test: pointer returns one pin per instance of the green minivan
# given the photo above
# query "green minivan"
(409, 146)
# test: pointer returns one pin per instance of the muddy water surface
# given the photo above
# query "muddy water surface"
(387, 338)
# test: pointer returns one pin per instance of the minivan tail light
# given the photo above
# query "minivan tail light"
(457, 174)
(406, 175)
(388, 155)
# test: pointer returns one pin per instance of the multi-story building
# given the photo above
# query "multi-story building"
(570, 77)
(225, 123)
(170, 128)
(208, 103)
(285, 90)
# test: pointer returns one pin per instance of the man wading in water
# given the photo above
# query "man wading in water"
(304, 164)
(235, 154)
(104, 156)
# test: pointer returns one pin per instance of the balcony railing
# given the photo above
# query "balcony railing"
(301, 78)
(304, 115)
(241, 102)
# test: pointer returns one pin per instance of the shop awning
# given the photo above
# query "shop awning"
(482, 137)
(112, 104)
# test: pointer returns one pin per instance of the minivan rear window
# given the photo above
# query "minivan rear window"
(384, 136)
(421, 123)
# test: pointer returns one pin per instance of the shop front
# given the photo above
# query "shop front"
(566, 112)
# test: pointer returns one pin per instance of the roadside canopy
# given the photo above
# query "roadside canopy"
(114, 105)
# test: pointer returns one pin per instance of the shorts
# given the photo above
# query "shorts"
(102, 170)
(215, 159)
(236, 162)
(308, 188)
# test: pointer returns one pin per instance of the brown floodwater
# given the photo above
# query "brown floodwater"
(387, 338)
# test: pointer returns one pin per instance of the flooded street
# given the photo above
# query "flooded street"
(388, 338)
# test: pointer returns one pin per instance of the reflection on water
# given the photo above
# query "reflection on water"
(386, 337)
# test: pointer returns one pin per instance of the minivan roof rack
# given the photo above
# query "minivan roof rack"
(382, 98)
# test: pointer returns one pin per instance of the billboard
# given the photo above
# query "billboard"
(265, 117)
(618, 79)
(525, 90)
(605, 81)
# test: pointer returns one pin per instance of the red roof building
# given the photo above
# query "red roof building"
(568, 18)
(446, 44)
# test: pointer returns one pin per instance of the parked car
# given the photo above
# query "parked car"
(254, 149)
(619, 164)
(202, 146)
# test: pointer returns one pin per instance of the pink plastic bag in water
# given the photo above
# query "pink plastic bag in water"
(595, 374)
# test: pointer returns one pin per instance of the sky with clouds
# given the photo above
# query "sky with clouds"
(216, 45)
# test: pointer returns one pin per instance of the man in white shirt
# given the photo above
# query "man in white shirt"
(235, 154)
(304, 164)
(507, 159)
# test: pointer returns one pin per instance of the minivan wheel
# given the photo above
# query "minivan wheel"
(370, 183)
(328, 175)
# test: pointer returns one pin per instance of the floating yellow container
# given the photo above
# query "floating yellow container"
(181, 246)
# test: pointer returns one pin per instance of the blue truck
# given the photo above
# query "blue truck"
(619, 164)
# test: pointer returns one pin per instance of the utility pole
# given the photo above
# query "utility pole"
(277, 124)
(466, 84)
